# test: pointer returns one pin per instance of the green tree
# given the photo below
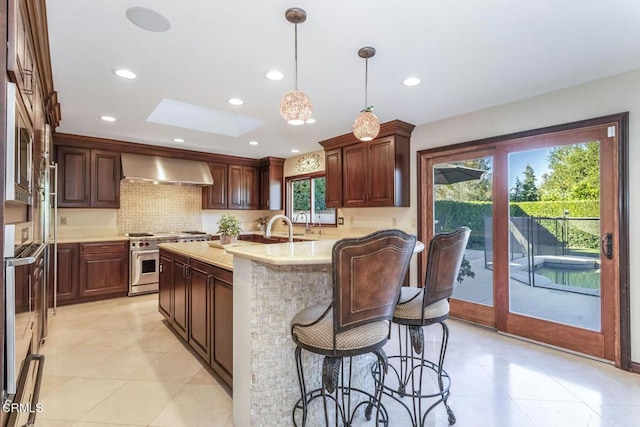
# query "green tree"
(574, 173)
(526, 190)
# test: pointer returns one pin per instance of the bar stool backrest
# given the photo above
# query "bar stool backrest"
(367, 275)
(444, 258)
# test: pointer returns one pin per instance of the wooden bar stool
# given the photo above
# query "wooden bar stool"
(419, 307)
(367, 275)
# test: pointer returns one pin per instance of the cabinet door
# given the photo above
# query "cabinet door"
(222, 349)
(67, 282)
(381, 172)
(165, 285)
(21, 63)
(235, 186)
(105, 179)
(180, 319)
(251, 177)
(333, 177)
(355, 173)
(271, 186)
(215, 196)
(103, 273)
(200, 308)
(74, 179)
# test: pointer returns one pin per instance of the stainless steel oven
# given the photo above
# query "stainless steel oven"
(144, 271)
(23, 367)
(19, 157)
(144, 265)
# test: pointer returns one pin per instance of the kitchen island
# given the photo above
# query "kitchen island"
(271, 283)
(196, 298)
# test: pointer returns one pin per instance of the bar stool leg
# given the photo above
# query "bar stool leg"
(303, 389)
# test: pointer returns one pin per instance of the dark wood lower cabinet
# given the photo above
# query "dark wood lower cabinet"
(222, 349)
(67, 273)
(90, 271)
(179, 318)
(103, 274)
(164, 294)
(196, 298)
(200, 308)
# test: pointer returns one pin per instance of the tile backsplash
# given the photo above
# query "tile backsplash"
(147, 207)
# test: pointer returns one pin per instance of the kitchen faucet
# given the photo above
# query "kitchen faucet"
(267, 233)
(307, 228)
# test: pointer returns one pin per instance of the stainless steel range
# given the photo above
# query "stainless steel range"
(145, 257)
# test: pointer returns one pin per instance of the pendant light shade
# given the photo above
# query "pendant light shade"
(366, 126)
(295, 106)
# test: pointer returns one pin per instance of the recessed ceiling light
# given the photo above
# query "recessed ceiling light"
(148, 19)
(235, 101)
(253, 142)
(274, 75)
(310, 120)
(411, 81)
(178, 140)
(124, 73)
(295, 150)
(108, 118)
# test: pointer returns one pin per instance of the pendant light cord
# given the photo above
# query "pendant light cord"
(296, 53)
(366, 83)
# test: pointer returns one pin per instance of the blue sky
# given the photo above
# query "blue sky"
(518, 162)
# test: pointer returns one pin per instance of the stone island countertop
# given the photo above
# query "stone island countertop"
(205, 253)
(297, 253)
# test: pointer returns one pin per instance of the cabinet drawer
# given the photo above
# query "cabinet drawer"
(224, 275)
(102, 247)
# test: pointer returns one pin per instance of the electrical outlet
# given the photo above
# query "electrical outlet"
(394, 221)
(340, 220)
(63, 220)
(350, 220)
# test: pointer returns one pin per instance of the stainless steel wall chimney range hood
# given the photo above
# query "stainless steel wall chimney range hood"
(164, 170)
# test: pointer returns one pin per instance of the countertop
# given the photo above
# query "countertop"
(205, 253)
(298, 253)
(93, 239)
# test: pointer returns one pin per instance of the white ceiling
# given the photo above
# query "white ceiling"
(470, 54)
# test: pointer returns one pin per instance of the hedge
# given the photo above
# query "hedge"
(452, 214)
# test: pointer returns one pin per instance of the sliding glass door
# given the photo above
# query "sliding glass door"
(542, 210)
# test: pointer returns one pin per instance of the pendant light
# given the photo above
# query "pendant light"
(366, 126)
(295, 106)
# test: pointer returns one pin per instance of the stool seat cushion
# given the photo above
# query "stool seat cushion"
(409, 306)
(320, 335)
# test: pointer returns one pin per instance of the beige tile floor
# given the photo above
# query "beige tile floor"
(115, 363)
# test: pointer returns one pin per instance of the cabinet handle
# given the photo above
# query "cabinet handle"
(210, 280)
(161, 267)
(29, 75)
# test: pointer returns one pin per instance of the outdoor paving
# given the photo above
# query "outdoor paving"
(555, 305)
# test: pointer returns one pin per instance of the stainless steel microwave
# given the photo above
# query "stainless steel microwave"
(19, 158)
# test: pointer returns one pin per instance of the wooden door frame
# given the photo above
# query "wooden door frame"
(623, 331)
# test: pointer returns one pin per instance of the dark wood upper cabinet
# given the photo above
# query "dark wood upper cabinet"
(88, 178)
(333, 178)
(244, 187)
(74, 177)
(215, 196)
(373, 173)
(105, 179)
(271, 183)
(355, 175)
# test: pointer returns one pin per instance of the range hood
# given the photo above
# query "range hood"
(164, 170)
